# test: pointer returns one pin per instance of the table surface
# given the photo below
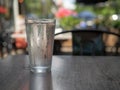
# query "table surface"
(68, 73)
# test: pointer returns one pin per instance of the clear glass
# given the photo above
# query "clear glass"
(40, 37)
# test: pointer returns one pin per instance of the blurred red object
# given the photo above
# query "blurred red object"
(20, 42)
(20, 1)
(63, 12)
(3, 10)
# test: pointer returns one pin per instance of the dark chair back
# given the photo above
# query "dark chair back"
(89, 42)
(86, 42)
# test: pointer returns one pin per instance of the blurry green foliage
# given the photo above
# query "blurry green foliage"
(116, 24)
(106, 11)
(82, 7)
(115, 4)
(42, 8)
(69, 22)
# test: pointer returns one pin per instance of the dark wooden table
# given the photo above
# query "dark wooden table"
(68, 73)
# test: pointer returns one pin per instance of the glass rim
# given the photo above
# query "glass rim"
(31, 20)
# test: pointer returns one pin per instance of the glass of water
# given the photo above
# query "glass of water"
(40, 38)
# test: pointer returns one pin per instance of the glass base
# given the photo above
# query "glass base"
(40, 69)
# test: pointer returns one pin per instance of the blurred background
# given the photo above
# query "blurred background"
(70, 14)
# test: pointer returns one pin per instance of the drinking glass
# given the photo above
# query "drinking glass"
(40, 38)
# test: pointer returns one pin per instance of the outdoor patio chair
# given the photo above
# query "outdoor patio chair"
(90, 42)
